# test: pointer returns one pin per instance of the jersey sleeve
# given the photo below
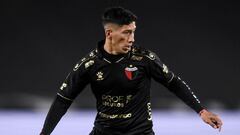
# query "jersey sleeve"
(158, 70)
(160, 73)
(76, 80)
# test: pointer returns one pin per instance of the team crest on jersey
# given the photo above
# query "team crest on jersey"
(131, 72)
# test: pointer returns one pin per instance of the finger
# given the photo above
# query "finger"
(212, 124)
(220, 125)
(217, 122)
(220, 122)
(220, 128)
(215, 127)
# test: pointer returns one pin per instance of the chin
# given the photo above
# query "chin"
(124, 52)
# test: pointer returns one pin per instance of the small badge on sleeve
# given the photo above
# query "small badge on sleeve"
(151, 56)
(64, 85)
(165, 69)
(137, 58)
(89, 63)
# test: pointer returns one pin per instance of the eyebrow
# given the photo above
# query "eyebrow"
(128, 30)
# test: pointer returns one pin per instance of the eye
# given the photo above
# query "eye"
(129, 32)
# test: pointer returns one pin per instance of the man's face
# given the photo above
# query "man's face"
(122, 37)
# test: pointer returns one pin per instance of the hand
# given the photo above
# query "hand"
(211, 119)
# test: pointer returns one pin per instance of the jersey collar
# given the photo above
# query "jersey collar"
(103, 56)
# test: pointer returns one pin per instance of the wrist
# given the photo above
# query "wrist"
(202, 111)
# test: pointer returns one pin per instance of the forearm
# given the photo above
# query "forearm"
(182, 90)
(57, 110)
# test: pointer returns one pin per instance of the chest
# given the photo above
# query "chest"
(124, 76)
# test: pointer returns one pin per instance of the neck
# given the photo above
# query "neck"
(109, 47)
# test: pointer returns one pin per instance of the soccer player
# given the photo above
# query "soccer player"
(120, 76)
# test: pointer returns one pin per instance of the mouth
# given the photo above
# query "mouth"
(126, 48)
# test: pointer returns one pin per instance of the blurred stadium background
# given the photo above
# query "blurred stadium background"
(42, 40)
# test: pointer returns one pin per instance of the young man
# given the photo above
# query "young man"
(120, 76)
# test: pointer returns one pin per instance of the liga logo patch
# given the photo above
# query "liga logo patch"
(131, 72)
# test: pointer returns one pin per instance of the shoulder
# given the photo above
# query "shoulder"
(86, 61)
(140, 51)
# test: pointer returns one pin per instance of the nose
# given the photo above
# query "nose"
(131, 38)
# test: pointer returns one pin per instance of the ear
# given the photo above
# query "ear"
(108, 33)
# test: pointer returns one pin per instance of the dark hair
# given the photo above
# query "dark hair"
(118, 15)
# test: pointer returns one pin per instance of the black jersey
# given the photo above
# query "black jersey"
(121, 86)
